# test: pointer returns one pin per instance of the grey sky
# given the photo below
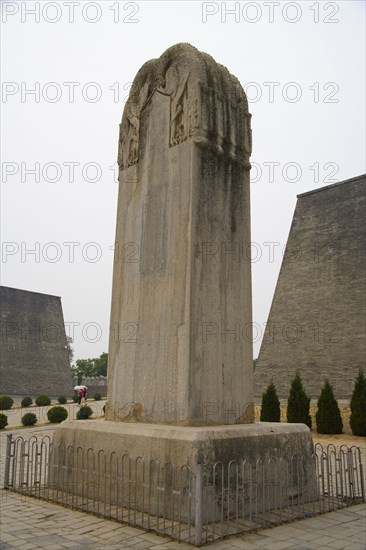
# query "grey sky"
(305, 80)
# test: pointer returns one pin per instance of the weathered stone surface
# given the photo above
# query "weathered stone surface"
(317, 319)
(34, 357)
(180, 348)
(168, 449)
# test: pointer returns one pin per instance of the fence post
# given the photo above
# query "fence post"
(198, 509)
(9, 440)
(361, 475)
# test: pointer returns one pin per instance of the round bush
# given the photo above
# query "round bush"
(57, 414)
(97, 396)
(43, 400)
(84, 413)
(75, 397)
(62, 400)
(6, 402)
(29, 419)
(3, 421)
(26, 401)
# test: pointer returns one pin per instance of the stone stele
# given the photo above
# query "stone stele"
(180, 382)
(180, 347)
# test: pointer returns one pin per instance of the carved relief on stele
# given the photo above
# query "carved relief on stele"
(207, 104)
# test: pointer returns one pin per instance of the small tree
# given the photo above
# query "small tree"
(3, 421)
(84, 413)
(270, 410)
(328, 416)
(6, 402)
(358, 406)
(43, 400)
(29, 419)
(26, 402)
(57, 414)
(298, 404)
(70, 350)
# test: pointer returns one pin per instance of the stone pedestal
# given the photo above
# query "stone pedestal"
(142, 466)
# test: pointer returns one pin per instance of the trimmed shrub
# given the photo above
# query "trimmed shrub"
(270, 410)
(84, 413)
(3, 421)
(26, 402)
(298, 403)
(328, 415)
(57, 414)
(62, 400)
(97, 396)
(29, 419)
(75, 397)
(6, 402)
(358, 406)
(43, 400)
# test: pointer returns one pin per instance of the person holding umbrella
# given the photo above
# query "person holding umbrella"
(84, 390)
(79, 390)
(81, 393)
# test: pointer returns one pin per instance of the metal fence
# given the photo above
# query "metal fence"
(197, 504)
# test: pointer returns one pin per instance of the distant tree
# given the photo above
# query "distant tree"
(328, 416)
(255, 363)
(70, 350)
(270, 410)
(358, 406)
(298, 404)
(91, 367)
(83, 367)
(101, 365)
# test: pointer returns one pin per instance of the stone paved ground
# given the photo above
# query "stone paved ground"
(27, 523)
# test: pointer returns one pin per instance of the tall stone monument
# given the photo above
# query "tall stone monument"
(180, 383)
(181, 349)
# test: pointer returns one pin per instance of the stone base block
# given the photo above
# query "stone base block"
(160, 468)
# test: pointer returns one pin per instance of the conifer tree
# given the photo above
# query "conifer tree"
(328, 415)
(270, 410)
(298, 404)
(358, 406)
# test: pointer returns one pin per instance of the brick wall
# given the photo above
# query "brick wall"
(317, 318)
(34, 358)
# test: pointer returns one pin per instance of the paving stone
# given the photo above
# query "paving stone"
(323, 541)
(56, 531)
(279, 544)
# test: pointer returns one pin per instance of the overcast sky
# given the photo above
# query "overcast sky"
(301, 63)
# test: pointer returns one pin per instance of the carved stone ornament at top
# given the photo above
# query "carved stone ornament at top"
(207, 104)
